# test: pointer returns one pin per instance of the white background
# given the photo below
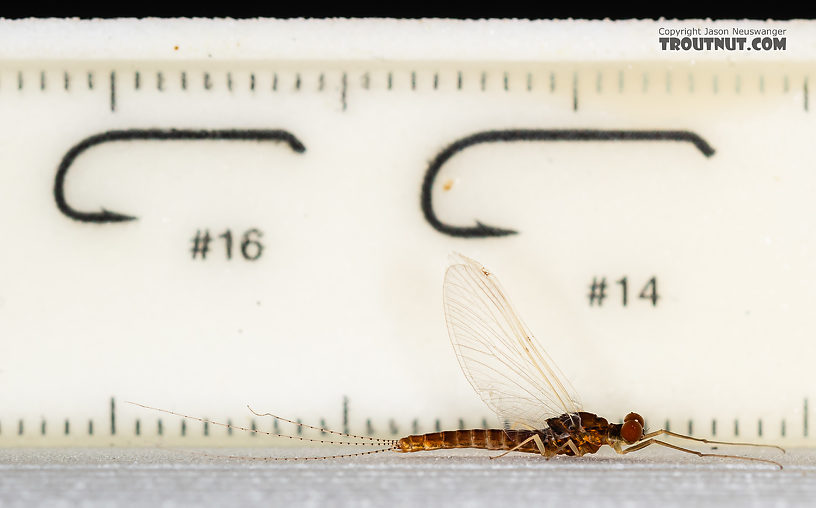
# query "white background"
(346, 298)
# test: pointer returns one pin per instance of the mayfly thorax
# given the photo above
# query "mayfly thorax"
(518, 381)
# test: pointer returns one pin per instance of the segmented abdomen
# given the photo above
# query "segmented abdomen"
(489, 439)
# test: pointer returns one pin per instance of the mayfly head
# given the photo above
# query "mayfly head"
(632, 429)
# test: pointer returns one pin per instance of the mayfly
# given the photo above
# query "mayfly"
(517, 379)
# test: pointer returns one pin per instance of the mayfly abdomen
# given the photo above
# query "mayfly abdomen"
(488, 439)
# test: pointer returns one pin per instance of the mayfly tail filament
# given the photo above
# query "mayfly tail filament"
(271, 459)
(321, 429)
(370, 442)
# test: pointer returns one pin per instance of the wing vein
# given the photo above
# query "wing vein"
(498, 354)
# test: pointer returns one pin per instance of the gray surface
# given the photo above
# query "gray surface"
(157, 477)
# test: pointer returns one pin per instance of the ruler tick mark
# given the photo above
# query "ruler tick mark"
(529, 82)
(229, 81)
(390, 80)
(436, 81)
(321, 82)
(806, 94)
(66, 80)
(252, 82)
(366, 81)
(506, 82)
(459, 80)
(275, 82)
(19, 80)
(344, 90)
(20, 428)
(137, 80)
(160, 81)
(113, 91)
(42, 80)
(552, 82)
(297, 82)
(90, 81)
(575, 92)
(345, 414)
(207, 81)
(484, 81)
(413, 80)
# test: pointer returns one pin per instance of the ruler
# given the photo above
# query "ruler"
(201, 214)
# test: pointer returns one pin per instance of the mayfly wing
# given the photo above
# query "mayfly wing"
(498, 354)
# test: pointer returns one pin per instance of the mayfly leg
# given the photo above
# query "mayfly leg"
(543, 449)
(538, 442)
(651, 441)
(665, 432)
